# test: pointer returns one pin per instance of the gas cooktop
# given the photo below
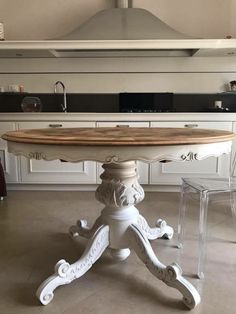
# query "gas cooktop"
(146, 102)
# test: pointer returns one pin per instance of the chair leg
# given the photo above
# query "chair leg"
(202, 233)
(233, 205)
(182, 212)
(3, 191)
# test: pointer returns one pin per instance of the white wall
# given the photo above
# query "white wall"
(27, 19)
(201, 18)
(199, 75)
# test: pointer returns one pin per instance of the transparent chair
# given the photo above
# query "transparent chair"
(206, 188)
(3, 190)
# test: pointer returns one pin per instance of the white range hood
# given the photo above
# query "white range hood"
(120, 32)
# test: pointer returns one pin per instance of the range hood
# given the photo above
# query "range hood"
(125, 24)
(120, 32)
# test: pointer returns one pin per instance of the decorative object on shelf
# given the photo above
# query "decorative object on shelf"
(31, 104)
(21, 88)
(1, 31)
(232, 86)
(13, 88)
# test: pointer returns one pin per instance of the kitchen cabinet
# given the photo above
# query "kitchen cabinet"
(9, 161)
(56, 171)
(142, 168)
(171, 173)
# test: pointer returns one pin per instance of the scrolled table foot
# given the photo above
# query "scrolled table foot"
(82, 229)
(170, 275)
(161, 229)
(66, 273)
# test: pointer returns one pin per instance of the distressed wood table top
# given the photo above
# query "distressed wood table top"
(119, 136)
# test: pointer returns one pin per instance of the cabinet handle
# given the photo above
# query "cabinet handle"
(122, 126)
(55, 125)
(191, 125)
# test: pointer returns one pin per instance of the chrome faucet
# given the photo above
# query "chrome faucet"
(64, 105)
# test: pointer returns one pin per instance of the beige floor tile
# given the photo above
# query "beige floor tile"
(34, 236)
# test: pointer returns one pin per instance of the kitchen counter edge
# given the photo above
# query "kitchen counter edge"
(181, 116)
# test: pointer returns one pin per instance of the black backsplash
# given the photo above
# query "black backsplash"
(158, 102)
(11, 102)
(204, 102)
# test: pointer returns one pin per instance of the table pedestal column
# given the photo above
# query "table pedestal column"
(120, 227)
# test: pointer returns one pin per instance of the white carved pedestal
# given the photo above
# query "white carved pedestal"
(121, 228)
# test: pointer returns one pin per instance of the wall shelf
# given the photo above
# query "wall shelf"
(117, 48)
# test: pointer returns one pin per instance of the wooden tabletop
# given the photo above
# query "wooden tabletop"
(119, 136)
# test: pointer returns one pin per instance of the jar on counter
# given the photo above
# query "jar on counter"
(31, 104)
(218, 104)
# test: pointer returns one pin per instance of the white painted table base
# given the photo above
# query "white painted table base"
(121, 228)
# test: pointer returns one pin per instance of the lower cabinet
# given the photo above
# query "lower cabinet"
(142, 168)
(8, 161)
(56, 171)
(171, 173)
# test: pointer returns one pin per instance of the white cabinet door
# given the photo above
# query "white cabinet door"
(9, 161)
(56, 171)
(171, 173)
(143, 168)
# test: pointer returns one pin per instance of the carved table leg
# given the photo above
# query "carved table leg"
(161, 230)
(171, 275)
(66, 273)
(83, 230)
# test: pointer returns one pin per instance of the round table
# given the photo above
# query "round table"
(120, 225)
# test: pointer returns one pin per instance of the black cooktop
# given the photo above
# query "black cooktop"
(146, 102)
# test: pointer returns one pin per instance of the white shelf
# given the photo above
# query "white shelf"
(117, 48)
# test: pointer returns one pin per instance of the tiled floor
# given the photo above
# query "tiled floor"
(33, 237)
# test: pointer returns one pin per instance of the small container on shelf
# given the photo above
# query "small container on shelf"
(2, 31)
(232, 86)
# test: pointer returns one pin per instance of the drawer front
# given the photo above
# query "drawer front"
(225, 125)
(123, 124)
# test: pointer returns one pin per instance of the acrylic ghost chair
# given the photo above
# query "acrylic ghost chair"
(3, 191)
(206, 188)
